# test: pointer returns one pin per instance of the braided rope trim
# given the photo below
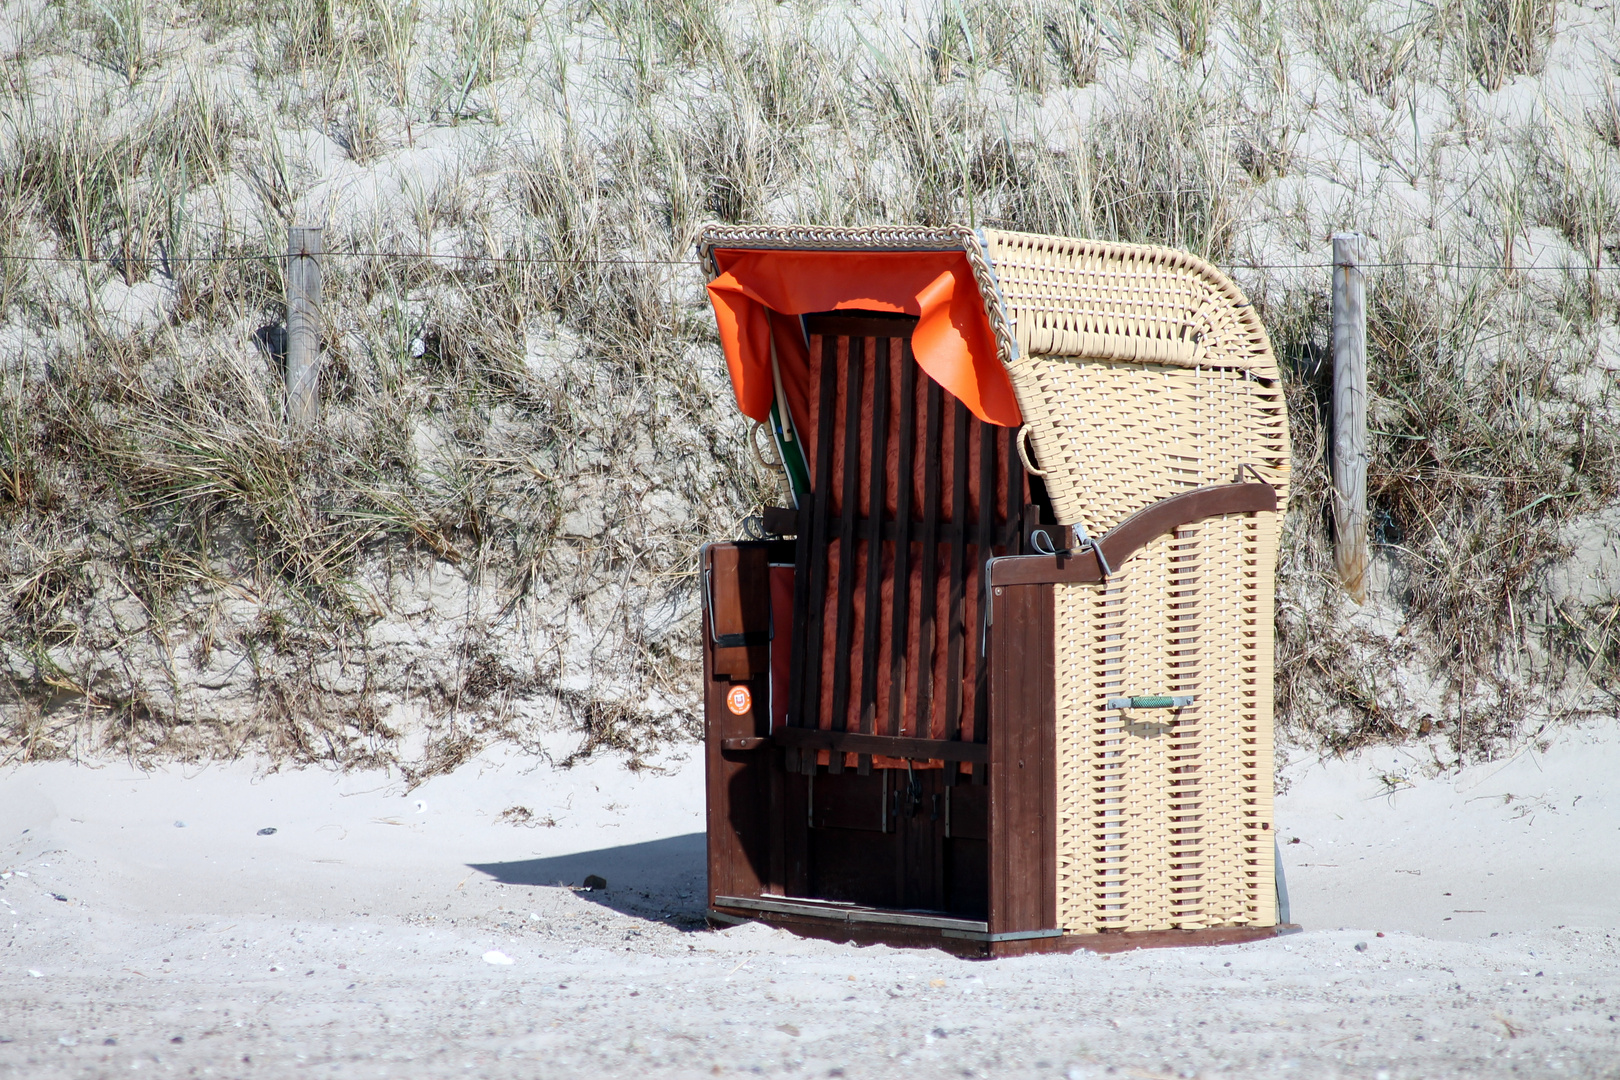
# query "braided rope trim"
(873, 238)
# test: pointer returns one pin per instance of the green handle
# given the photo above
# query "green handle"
(1153, 702)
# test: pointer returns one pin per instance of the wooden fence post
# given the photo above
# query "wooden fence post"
(303, 325)
(1349, 415)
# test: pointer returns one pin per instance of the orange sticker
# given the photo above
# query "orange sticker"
(739, 700)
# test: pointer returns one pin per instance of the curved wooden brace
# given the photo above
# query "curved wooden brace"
(1132, 534)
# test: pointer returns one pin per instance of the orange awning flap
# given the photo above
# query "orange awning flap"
(953, 341)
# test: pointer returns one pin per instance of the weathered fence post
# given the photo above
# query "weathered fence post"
(303, 325)
(1349, 415)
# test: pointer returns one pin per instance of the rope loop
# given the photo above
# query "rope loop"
(1023, 453)
(753, 444)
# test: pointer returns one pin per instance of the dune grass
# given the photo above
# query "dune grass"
(527, 429)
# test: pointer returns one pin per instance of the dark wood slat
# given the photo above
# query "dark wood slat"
(776, 859)
(930, 559)
(917, 878)
(848, 512)
(900, 616)
(781, 521)
(956, 633)
(989, 436)
(877, 501)
(1132, 534)
(1013, 532)
(866, 324)
(1023, 772)
(798, 665)
(889, 529)
(851, 742)
(944, 531)
(810, 617)
(796, 835)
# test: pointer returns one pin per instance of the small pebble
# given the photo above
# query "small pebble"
(267, 832)
(1361, 946)
(179, 824)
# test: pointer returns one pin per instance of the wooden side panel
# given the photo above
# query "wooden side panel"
(1023, 779)
(738, 582)
(738, 782)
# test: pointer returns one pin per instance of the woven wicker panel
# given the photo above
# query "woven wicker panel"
(1114, 437)
(1143, 373)
(1163, 815)
(1108, 301)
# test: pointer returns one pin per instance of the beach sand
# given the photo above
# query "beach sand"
(1458, 926)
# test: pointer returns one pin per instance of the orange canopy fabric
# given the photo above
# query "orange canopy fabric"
(953, 341)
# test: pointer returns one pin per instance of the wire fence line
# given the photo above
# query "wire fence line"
(543, 260)
(402, 255)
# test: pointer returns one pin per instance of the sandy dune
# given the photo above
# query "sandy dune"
(379, 932)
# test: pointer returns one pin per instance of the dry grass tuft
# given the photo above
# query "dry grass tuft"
(527, 430)
(1504, 38)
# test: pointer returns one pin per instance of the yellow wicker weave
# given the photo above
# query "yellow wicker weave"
(1142, 373)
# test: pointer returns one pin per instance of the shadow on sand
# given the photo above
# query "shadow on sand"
(660, 879)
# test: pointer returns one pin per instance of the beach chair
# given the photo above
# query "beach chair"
(997, 675)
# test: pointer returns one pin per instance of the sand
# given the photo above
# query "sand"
(1466, 925)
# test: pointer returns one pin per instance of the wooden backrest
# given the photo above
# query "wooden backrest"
(911, 495)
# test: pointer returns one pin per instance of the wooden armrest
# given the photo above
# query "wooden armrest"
(1132, 534)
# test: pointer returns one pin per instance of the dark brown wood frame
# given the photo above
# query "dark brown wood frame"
(753, 865)
(977, 948)
(1132, 534)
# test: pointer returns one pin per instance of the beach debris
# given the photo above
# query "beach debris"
(522, 815)
(179, 824)
(1361, 946)
(36, 974)
(495, 956)
(267, 831)
(594, 882)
